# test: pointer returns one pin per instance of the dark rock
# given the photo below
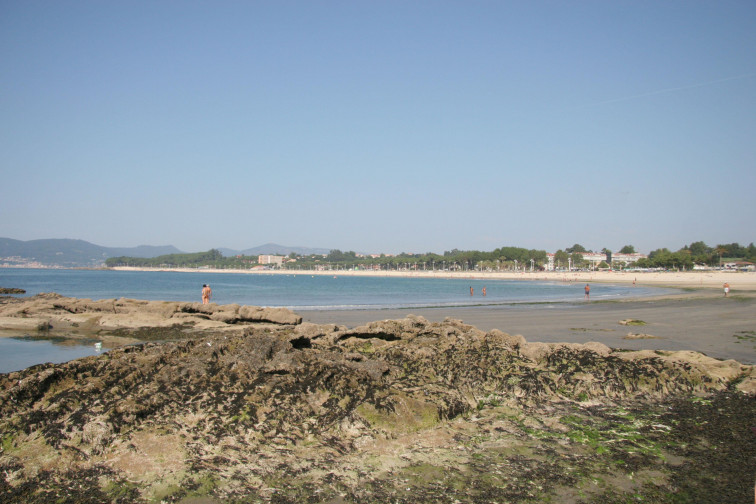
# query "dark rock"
(11, 290)
(308, 413)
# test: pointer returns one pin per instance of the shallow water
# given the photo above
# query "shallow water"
(20, 352)
(307, 292)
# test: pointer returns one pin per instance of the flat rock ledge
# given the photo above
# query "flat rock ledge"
(393, 411)
(11, 290)
(53, 312)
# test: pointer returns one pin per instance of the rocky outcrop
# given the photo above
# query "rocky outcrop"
(11, 290)
(323, 413)
(71, 315)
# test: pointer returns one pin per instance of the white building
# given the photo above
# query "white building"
(627, 259)
(271, 259)
(596, 258)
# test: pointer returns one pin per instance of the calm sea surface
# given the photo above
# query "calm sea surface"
(304, 292)
(20, 352)
(298, 292)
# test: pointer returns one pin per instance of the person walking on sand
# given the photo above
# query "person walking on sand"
(207, 293)
(726, 288)
(587, 291)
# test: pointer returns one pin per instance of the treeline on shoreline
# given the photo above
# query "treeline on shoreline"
(698, 253)
(504, 258)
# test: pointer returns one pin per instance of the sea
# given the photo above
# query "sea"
(299, 292)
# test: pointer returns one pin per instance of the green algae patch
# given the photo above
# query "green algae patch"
(7, 442)
(632, 322)
(748, 337)
(121, 491)
(613, 435)
(404, 415)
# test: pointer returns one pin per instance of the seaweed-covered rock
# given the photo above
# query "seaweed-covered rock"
(11, 290)
(323, 412)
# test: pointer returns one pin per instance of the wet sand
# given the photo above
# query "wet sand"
(724, 328)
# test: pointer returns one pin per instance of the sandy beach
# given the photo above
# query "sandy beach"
(743, 281)
(700, 318)
(718, 327)
(697, 318)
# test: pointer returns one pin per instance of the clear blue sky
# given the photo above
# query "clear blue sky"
(389, 126)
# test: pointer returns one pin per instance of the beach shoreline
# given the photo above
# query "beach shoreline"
(707, 279)
(723, 328)
(695, 317)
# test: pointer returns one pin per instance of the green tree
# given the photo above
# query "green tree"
(339, 256)
(627, 249)
(577, 260)
(608, 254)
(541, 257)
(560, 259)
(658, 252)
(576, 248)
(699, 248)
(733, 250)
(751, 252)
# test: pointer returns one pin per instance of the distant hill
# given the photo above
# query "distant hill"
(82, 254)
(273, 249)
(71, 253)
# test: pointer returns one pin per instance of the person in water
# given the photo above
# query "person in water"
(587, 291)
(207, 293)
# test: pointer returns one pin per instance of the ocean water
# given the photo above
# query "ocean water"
(306, 292)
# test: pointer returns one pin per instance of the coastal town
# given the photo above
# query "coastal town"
(74, 253)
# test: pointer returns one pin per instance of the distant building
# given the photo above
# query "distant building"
(628, 259)
(271, 259)
(596, 258)
(740, 265)
(549, 266)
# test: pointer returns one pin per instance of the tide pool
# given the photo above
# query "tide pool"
(20, 352)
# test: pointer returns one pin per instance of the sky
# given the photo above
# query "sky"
(379, 127)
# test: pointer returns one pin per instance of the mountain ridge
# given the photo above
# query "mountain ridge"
(67, 252)
(273, 249)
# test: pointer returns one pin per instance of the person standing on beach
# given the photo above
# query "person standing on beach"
(726, 288)
(587, 291)
(207, 293)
